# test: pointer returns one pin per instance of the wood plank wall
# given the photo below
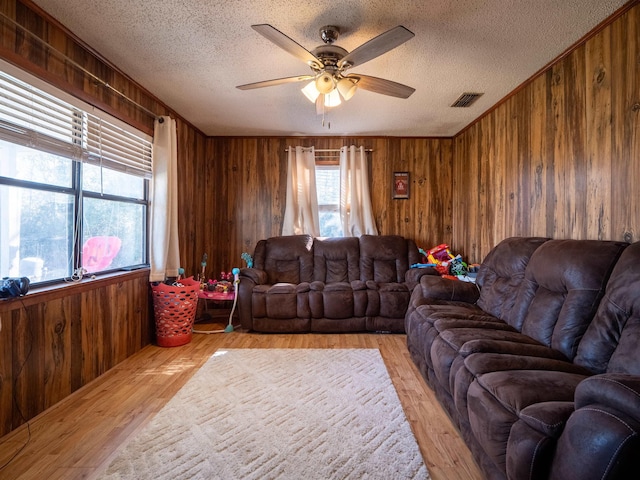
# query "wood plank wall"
(561, 157)
(52, 344)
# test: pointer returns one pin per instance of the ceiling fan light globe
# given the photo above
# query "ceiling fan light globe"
(332, 99)
(347, 88)
(325, 83)
(311, 92)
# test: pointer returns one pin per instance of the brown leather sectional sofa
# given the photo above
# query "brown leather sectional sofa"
(539, 365)
(304, 284)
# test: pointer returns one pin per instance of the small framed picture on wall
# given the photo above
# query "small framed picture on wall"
(400, 185)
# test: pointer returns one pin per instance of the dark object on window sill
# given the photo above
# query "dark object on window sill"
(14, 287)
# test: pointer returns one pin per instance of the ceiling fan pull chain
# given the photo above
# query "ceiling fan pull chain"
(323, 115)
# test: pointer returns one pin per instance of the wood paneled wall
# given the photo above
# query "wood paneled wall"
(52, 344)
(561, 157)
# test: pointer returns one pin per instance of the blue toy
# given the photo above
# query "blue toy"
(247, 258)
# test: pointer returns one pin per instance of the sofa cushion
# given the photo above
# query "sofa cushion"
(336, 260)
(287, 259)
(610, 344)
(564, 283)
(508, 356)
(333, 300)
(384, 258)
(502, 271)
(496, 399)
(448, 343)
(394, 299)
(281, 300)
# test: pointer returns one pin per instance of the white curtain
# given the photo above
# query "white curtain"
(355, 198)
(163, 243)
(301, 208)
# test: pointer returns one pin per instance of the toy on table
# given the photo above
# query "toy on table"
(223, 285)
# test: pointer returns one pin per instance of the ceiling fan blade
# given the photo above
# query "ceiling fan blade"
(380, 85)
(377, 46)
(275, 81)
(286, 43)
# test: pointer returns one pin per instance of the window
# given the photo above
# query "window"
(73, 185)
(328, 189)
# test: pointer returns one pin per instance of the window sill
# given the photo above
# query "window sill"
(63, 289)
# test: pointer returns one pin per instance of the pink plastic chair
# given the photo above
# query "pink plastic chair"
(99, 252)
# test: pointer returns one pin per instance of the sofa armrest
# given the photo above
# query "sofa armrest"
(437, 288)
(602, 437)
(532, 440)
(413, 275)
(612, 391)
(249, 278)
(547, 418)
(257, 276)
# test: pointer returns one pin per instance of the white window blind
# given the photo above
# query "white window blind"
(34, 118)
(113, 147)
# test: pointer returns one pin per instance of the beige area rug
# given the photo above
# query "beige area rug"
(278, 414)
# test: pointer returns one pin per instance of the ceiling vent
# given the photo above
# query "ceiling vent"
(466, 99)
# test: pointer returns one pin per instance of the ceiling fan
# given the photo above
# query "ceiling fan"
(329, 63)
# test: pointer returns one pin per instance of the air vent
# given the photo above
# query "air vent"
(466, 99)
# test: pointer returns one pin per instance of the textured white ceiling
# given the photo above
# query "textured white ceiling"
(192, 53)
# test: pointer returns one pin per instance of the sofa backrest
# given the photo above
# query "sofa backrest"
(612, 341)
(336, 260)
(286, 259)
(502, 272)
(563, 285)
(386, 258)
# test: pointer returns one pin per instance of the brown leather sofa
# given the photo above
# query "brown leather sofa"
(304, 284)
(538, 367)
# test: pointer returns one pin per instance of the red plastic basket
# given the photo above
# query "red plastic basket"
(174, 309)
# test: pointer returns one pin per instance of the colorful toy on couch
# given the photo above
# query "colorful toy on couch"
(446, 263)
(439, 254)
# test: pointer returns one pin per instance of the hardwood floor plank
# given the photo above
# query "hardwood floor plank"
(78, 437)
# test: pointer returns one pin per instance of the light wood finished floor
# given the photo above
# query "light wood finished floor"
(78, 437)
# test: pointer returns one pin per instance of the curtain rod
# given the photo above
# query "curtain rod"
(329, 150)
(81, 68)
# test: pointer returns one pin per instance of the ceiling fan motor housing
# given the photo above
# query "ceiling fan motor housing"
(330, 55)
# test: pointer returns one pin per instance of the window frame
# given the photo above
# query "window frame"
(333, 164)
(81, 155)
